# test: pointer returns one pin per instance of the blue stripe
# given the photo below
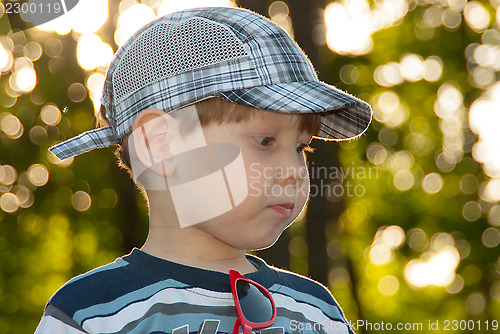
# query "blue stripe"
(115, 265)
(115, 306)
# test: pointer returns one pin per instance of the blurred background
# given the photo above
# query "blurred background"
(403, 224)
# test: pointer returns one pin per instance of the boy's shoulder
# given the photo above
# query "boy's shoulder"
(91, 288)
(307, 291)
(126, 277)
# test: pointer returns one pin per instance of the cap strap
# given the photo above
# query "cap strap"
(85, 142)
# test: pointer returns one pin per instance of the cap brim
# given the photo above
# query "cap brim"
(343, 116)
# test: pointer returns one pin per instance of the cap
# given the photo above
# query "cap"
(230, 53)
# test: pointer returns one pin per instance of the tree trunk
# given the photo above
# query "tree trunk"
(320, 212)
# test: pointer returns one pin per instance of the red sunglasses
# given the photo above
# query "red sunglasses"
(254, 304)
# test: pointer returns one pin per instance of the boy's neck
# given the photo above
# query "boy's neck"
(194, 248)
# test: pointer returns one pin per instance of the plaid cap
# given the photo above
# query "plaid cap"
(233, 54)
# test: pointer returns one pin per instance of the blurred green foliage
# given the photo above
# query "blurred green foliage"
(415, 145)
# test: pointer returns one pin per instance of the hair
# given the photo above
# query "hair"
(209, 111)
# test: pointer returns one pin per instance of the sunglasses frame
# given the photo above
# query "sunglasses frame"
(242, 321)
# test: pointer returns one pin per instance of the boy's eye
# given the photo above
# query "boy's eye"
(267, 141)
(264, 141)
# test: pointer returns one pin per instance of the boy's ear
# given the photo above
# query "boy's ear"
(152, 132)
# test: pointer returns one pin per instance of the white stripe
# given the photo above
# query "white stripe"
(63, 3)
(50, 325)
(197, 296)
(312, 313)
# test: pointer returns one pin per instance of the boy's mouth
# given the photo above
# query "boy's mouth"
(284, 209)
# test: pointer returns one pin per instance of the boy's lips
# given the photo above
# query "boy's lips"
(284, 209)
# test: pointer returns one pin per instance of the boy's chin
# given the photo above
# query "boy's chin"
(262, 247)
(259, 243)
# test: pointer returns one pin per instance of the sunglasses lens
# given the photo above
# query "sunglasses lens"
(254, 302)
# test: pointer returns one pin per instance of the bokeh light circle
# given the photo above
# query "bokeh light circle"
(81, 201)
(9, 202)
(38, 174)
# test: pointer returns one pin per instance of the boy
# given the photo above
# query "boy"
(212, 109)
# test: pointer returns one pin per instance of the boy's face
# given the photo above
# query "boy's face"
(265, 175)
(276, 173)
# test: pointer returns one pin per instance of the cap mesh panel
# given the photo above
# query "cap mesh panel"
(170, 49)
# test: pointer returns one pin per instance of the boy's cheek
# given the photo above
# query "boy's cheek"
(259, 171)
(254, 189)
(256, 175)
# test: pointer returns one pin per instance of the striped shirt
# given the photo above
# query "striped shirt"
(140, 293)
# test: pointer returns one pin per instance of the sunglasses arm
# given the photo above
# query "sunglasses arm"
(237, 325)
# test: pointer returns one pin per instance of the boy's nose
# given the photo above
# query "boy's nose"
(291, 171)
